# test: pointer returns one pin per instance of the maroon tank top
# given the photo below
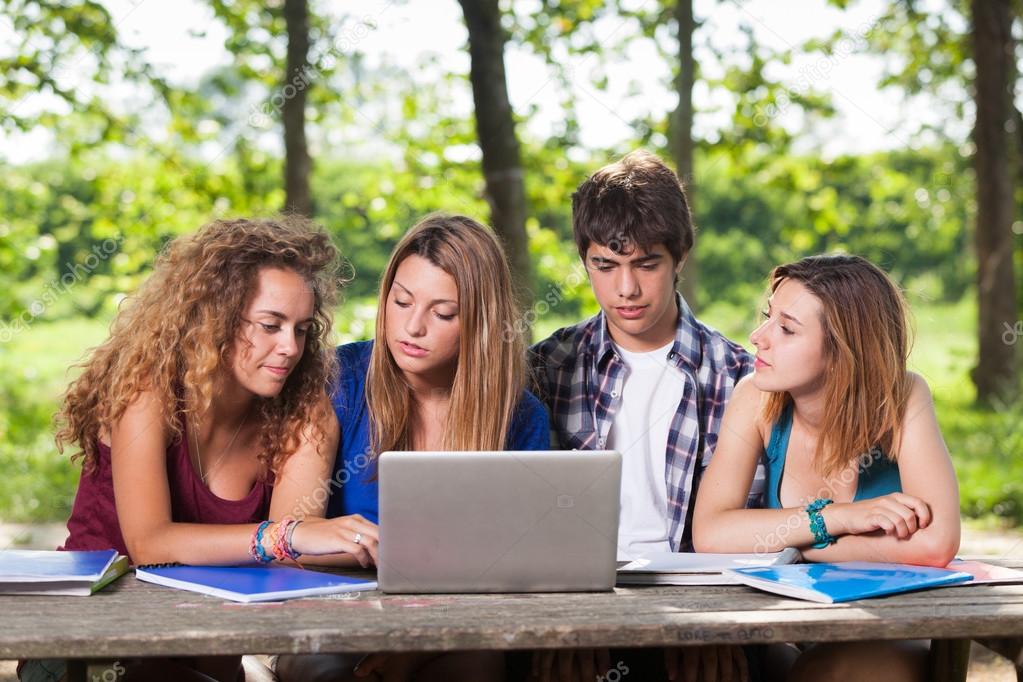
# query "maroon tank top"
(93, 523)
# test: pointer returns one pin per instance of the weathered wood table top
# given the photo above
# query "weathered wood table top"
(132, 618)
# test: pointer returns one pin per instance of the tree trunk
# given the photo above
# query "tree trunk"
(996, 372)
(495, 128)
(682, 128)
(297, 164)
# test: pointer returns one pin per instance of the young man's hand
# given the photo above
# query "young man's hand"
(706, 664)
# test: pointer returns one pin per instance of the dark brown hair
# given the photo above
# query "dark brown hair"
(866, 346)
(635, 202)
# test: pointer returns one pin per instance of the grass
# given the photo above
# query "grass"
(986, 444)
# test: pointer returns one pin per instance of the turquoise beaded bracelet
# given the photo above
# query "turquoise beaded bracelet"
(256, 546)
(820, 532)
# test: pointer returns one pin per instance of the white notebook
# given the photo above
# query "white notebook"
(697, 568)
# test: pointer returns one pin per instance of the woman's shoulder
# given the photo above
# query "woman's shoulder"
(355, 354)
(531, 406)
(353, 366)
(530, 428)
(919, 390)
(746, 400)
(744, 411)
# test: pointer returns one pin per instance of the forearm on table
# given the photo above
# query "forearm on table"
(193, 543)
(752, 530)
(931, 546)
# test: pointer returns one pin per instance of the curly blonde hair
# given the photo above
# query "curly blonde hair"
(178, 330)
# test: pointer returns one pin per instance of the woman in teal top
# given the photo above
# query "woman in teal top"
(877, 474)
(856, 466)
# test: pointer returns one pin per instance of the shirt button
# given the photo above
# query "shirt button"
(601, 442)
(614, 394)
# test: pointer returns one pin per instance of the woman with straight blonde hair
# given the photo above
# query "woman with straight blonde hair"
(857, 469)
(442, 374)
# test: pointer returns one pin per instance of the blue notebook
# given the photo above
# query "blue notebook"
(253, 583)
(847, 581)
(24, 571)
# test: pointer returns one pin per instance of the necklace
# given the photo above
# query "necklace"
(198, 455)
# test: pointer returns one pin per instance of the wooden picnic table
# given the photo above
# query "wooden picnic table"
(132, 618)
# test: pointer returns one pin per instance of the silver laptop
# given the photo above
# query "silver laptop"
(498, 521)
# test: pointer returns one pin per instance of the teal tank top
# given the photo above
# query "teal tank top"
(878, 475)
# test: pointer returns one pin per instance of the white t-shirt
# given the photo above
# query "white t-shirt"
(651, 393)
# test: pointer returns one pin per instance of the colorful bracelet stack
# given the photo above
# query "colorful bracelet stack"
(281, 547)
(280, 534)
(821, 535)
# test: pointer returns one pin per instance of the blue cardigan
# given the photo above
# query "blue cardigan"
(353, 486)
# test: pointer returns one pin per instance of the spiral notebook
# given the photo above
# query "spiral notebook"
(253, 583)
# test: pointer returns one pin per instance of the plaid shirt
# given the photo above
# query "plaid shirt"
(580, 376)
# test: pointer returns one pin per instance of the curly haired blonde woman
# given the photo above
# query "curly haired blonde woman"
(203, 421)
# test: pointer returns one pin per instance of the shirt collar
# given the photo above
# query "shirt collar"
(687, 347)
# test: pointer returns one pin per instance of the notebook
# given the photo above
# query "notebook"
(696, 568)
(25, 571)
(252, 583)
(847, 581)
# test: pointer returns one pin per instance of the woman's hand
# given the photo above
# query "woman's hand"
(333, 536)
(896, 514)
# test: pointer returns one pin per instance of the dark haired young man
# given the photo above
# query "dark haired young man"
(643, 376)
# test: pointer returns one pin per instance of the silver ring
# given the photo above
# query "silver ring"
(358, 538)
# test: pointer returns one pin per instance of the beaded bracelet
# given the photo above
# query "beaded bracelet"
(256, 544)
(821, 535)
(274, 535)
(281, 546)
(292, 552)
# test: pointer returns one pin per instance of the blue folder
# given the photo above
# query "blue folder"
(846, 581)
(35, 565)
(24, 571)
(253, 583)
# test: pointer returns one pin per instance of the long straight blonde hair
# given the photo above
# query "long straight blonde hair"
(490, 376)
(866, 346)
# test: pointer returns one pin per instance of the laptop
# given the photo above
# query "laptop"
(498, 521)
